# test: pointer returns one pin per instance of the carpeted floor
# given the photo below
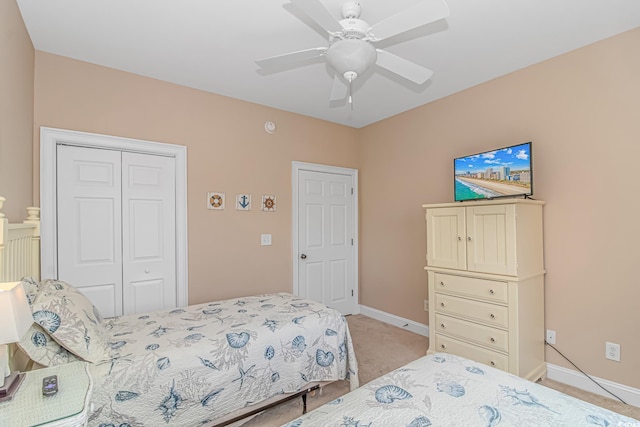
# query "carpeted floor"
(381, 348)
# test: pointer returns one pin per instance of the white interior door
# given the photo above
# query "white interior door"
(89, 224)
(325, 239)
(148, 211)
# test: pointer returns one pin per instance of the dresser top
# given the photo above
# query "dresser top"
(484, 202)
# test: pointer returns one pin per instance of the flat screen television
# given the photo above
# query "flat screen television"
(505, 172)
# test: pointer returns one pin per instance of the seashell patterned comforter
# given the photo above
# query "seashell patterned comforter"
(447, 390)
(193, 365)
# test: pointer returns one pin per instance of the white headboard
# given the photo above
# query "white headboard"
(19, 246)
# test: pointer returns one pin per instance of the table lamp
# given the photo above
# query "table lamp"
(15, 321)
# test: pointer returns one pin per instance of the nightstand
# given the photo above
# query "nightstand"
(67, 408)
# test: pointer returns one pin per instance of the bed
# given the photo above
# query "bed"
(205, 364)
(446, 390)
(198, 365)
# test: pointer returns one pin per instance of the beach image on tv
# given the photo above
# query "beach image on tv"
(499, 173)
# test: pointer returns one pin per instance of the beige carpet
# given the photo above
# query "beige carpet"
(373, 341)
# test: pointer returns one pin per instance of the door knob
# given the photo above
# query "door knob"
(303, 256)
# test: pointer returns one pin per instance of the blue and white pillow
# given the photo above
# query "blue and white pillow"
(37, 343)
(69, 317)
(42, 349)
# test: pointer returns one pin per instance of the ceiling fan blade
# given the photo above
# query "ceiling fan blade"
(291, 57)
(422, 13)
(400, 66)
(338, 90)
(316, 11)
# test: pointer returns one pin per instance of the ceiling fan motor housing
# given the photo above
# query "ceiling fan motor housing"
(353, 28)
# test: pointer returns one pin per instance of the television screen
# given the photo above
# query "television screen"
(505, 172)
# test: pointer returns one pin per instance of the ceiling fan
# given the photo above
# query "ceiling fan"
(352, 50)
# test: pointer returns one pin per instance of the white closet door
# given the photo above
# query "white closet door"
(89, 224)
(149, 233)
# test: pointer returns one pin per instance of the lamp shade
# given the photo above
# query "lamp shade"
(15, 313)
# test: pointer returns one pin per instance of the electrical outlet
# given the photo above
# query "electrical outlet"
(551, 336)
(612, 351)
(426, 305)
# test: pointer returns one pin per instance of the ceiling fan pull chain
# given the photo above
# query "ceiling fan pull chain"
(350, 97)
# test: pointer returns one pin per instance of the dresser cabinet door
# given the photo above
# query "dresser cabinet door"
(446, 235)
(491, 239)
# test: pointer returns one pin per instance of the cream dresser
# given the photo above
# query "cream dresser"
(486, 283)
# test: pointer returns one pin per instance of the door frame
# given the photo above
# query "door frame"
(50, 138)
(314, 167)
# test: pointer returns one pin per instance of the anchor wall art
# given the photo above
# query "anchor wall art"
(243, 202)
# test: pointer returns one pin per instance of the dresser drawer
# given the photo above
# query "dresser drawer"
(470, 351)
(491, 314)
(496, 339)
(471, 287)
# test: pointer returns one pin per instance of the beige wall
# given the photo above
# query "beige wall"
(16, 112)
(582, 112)
(227, 150)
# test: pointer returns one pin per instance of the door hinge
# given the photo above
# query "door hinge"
(352, 191)
(351, 292)
(351, 242)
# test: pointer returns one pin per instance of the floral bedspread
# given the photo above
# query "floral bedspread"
(447, 390)
(192, 365)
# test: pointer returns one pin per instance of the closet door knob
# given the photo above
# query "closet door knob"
(469, 238)
(491, 291)
(303, 256)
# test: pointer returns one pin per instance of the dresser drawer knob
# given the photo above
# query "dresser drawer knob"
(442, 325)
(469, 238)
(493, 316)
(459, 238)
(493, 339)
(493, 363)
(441, 304)
(491, 291)
(442, 346)
(441, 283)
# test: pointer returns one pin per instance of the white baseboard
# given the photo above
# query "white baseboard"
(392, 319)
(576, 379)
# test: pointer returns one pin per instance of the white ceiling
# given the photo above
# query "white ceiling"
(212, 45)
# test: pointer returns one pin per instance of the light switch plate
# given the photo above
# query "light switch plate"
(265, 239)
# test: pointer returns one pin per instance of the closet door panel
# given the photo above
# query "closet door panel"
(148, 198)
(89, 224)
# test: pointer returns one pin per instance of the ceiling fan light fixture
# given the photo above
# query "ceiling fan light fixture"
(350, 58)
